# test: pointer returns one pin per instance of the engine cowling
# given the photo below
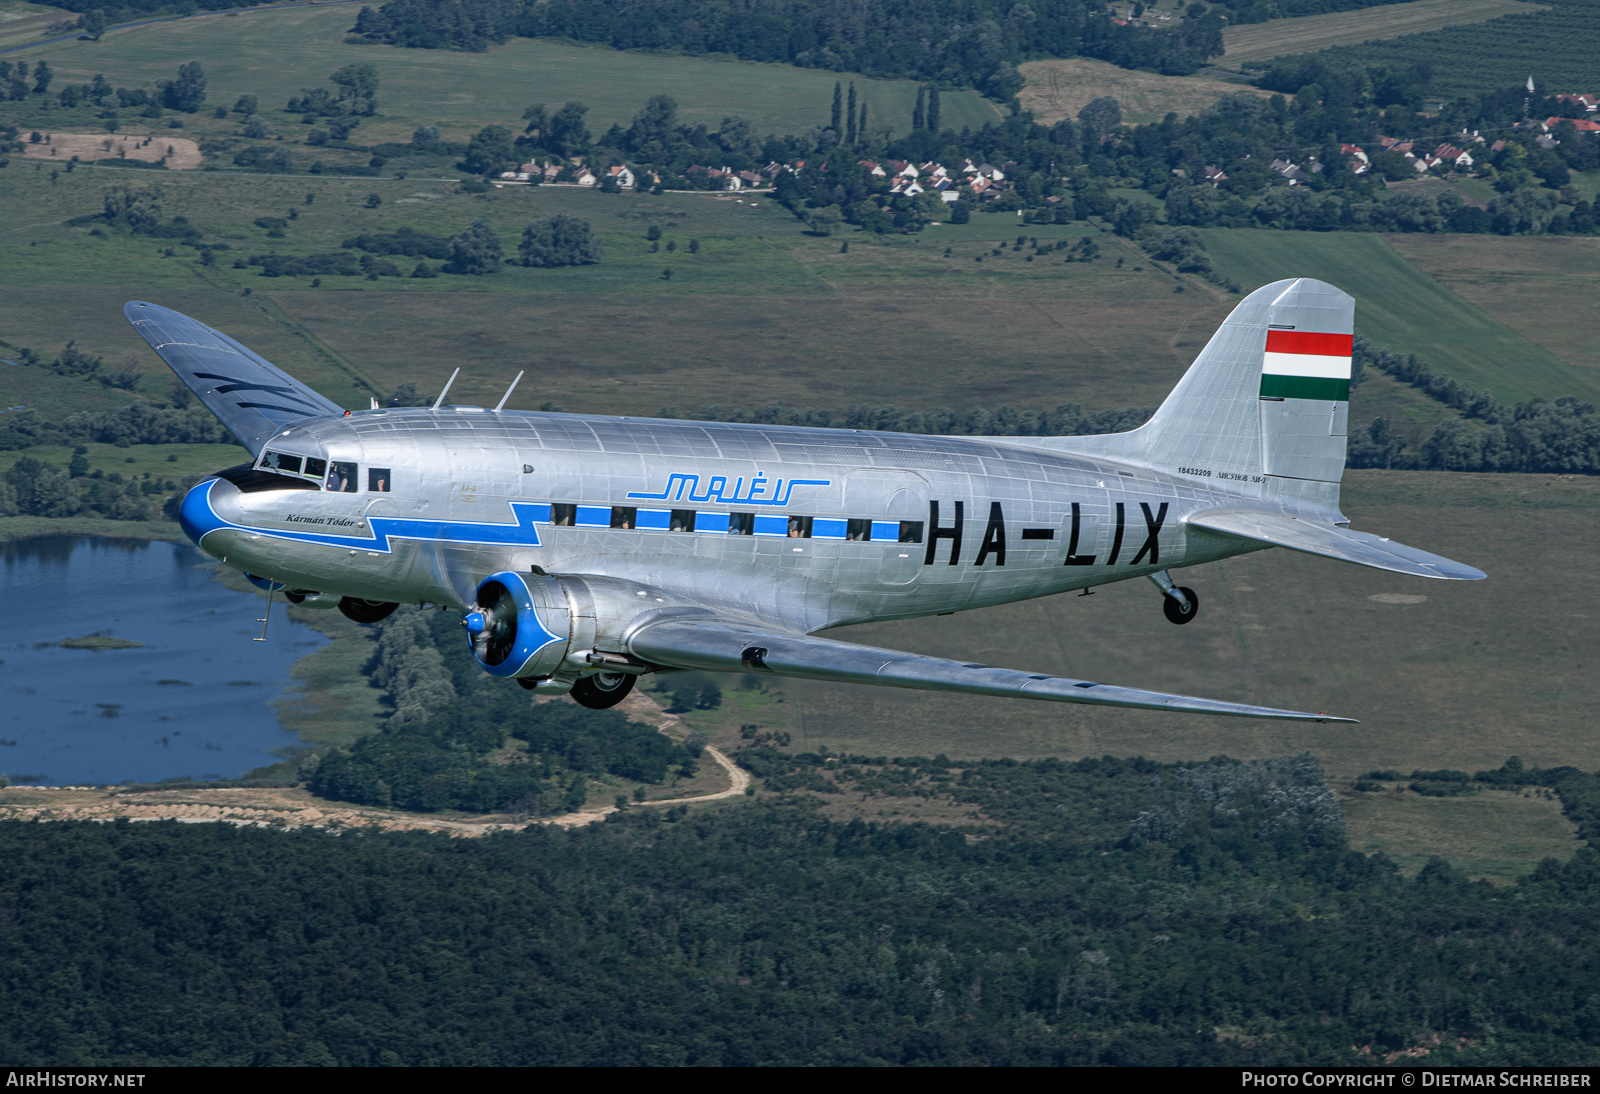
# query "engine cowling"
(519, 625)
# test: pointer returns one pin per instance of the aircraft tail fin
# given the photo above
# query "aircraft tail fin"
(1267, 401)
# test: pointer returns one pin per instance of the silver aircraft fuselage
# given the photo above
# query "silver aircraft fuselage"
(809, 528)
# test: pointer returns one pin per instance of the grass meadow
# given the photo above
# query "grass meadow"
(1309, 33)
(273, 54)
(1542, 287)
(1401, 306)
(1059, 88)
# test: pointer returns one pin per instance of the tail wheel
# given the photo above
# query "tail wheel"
(1175, 610)
(366, 611)
(603, 689)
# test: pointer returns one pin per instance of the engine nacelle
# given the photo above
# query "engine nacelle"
(519, 625)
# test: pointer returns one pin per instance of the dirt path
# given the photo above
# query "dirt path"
(292, 808)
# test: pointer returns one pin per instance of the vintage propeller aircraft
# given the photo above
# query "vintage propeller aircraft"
(586, 550)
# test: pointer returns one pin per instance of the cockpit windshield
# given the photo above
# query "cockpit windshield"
(286, 463)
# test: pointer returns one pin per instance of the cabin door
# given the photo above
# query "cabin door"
(896, 503)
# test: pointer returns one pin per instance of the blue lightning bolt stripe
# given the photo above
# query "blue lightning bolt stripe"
(199, 520)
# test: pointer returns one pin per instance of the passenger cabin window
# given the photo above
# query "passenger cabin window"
(378, 480)
(741, 524)
(858, 529)
(911, 531)
(682, 521)
(342, 477)
(799, 527)
(281, 461)
(564, 516)
(624, 517)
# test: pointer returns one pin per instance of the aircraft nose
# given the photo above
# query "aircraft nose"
(197, 516)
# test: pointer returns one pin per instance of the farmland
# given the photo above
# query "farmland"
(1542, 287)
(762, 312)
(1058, 89)
(1309, 33)
(22, 22)
(1400, 306)
(1556, 46)
(274, 54)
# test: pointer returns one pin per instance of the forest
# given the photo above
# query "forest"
(1098, 912)
(444, 746)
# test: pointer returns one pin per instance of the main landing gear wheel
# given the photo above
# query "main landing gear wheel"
(366, 611)
(1174, 608)
(603, 689)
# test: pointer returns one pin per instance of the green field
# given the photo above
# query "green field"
(1542, 287)
(763, 312)
(273, 54)
(1473, 673)
(1400, 306)
(1496, 834)
(1309, 33)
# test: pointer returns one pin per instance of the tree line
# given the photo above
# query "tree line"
(1104, 911)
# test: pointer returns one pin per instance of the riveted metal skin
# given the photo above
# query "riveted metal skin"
(628, 545)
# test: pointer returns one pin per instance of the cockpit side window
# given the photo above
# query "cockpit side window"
(342, 477)
(316, 467)
(378, 480)
(281, 461)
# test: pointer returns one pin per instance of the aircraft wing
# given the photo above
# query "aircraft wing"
(248, 394)
(1330, 541)
(724, 645)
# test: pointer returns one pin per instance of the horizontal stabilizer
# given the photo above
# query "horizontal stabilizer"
(1316, 537)
(250, 395)
(721, 645)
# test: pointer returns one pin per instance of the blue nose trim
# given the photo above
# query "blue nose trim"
(475, 622)
(195, 515)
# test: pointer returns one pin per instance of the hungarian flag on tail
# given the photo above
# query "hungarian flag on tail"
(1306, 365)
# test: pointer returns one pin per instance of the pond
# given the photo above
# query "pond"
(183, 691)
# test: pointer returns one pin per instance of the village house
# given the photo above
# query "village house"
(1216, 176)
(623, 177)
(583, 176)
(1357, 160)
(874, 169)
(1582, 125)
(1591, 103)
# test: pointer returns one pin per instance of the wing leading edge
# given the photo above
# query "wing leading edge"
(725, 645)
(250, 395)
(1330, 541)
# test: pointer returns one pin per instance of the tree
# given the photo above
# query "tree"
(256, 127)
(93, 24)
(568, 134)
(247, 105)
(425, 136)
(476, 250)
(42, 75)
(656, 122)
(824, 221)
(1100, 116)
(139, 208)
(560, 240)
(850, 116)
(358, 88)
(490, 151)
(737, 137)
(538, 120)
(837, 124)
(374, 200)
(933, 110)
(919, 113)
(188, 92)
(42, 490)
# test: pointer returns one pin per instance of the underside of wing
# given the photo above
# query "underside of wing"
(250, 395)
(717, 644)
(1316, 537)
